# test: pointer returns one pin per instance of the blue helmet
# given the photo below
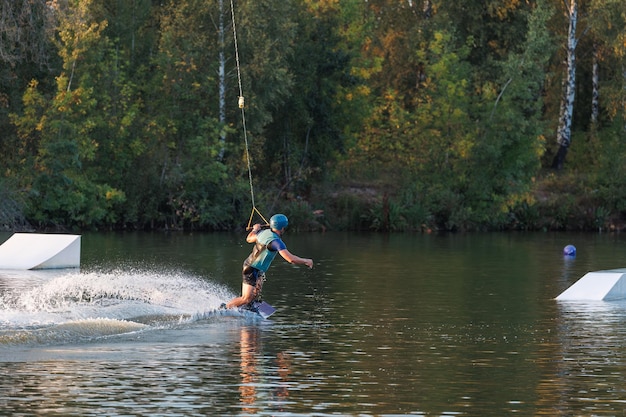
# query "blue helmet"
(278, 221)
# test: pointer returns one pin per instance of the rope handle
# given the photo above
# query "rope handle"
(254, 209)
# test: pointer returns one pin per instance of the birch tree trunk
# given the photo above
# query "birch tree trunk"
(595, 95)
(564, 131)
(222, 80)
(624, 95)
(428, 9)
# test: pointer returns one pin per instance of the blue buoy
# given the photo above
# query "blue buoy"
(569, 250)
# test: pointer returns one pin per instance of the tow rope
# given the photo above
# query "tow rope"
(242, 106)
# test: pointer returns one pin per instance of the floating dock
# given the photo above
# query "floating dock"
(597, 286)
(40, 251)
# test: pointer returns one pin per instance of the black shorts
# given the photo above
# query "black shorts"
(251, 275)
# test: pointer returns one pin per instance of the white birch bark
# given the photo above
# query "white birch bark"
(222, 80)
(428, 9)
(624, 95)
(595, 95)
(564, 130)
(565, 124)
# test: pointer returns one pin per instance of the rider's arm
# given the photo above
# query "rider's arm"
(279, 245)
(251, 238)
(294, 259)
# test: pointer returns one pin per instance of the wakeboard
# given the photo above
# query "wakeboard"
(261, 308)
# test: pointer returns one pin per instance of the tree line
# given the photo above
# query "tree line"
(380, 114)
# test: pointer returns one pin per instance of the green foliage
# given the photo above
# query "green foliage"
(611, 172)
(193, 186)
(509, 151)
(302, 217)
(65, 190)
(387, 216)
(12, 207)
(435, 120)
(348, 211)
(471, 158)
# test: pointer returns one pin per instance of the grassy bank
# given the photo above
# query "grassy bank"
(556, 202)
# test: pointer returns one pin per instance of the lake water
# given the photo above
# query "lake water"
(454, 325)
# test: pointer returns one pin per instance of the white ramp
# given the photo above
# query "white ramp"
(40, 251)
(599, 285)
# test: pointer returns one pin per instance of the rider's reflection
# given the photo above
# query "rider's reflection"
(248, 351)
(255, 368)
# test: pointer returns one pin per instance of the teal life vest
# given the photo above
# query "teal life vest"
(261, 257)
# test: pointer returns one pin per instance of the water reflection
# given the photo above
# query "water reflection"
(250, 374)
(591, 373)
(384, 325)
(568, 272)
(258, 374)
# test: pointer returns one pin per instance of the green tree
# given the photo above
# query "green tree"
(465, 158)
(26, 52)
(65, 191)
(512, 138)
(608, 22)
(605, 140)
(322, 104)
(183, 120)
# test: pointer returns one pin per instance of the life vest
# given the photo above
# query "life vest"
(261, 257)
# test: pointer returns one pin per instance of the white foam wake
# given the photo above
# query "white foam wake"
(75, 305)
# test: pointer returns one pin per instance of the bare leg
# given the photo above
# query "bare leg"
(248, 294)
